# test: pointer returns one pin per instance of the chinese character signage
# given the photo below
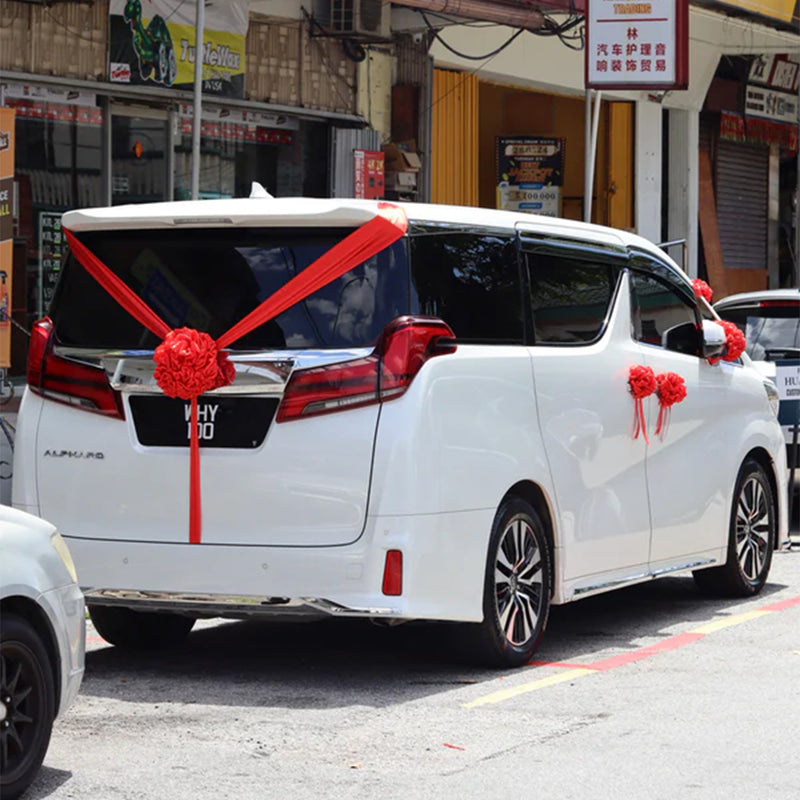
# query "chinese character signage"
(368, 174)
(771, 91)
(6, 231)
(530, 174)
(637, 45)
(153, 43)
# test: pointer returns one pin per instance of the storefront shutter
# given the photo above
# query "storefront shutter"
(741, 183)
(455, 138)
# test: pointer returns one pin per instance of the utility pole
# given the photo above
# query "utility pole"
(197, 113)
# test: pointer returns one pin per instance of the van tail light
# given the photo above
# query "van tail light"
(779, 303)
(68, 381)
(404, 346)
(393, 573)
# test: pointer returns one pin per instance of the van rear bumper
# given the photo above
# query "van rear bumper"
(444, 560)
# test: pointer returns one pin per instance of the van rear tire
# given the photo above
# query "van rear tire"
(140, 630)
(516, 591)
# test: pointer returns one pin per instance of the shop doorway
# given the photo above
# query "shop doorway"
(140, 156)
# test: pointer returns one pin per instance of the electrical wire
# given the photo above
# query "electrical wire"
(466, 56)
(550, 27)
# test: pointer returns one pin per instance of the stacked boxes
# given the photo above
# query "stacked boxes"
(402, 163)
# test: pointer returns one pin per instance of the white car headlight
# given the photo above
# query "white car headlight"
(60, 546)
(772, 395)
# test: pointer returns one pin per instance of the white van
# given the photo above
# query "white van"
(445, 432)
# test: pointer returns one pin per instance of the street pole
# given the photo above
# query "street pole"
(197, 112)
(591, 126)
(797, 198)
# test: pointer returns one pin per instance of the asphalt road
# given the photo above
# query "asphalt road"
(648, 692)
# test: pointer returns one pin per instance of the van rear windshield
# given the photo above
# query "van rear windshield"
(209, 279)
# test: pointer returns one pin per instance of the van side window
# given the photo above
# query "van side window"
(472, 282)
(570, 297)
(662, 315)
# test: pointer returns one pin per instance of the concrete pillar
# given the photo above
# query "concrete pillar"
(648, 170)
(683, 192)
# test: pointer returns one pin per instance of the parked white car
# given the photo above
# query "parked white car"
(444, 432)
(770, 320)
(42, 640)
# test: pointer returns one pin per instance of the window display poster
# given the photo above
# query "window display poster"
(787, 379)
(51, 253)
(154, 43)
(6, 231)
(530, 174)
(368, 175)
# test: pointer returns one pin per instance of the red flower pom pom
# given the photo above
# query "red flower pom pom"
(671, 388)
(702, 289)
(736, 341)
(642, 381)
(188, 364)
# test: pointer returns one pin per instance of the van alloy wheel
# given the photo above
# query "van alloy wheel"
(751, 538)
(516, 591)
(518, 582)
(753, 528)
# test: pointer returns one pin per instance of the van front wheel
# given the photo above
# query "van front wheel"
(516, 593)
(751, 538)
(140, 630)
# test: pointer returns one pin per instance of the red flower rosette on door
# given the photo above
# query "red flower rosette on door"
(190, 363)
(641, 383)
(671, 390)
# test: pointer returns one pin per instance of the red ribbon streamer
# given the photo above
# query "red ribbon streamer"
(641, 383)
(368, 240)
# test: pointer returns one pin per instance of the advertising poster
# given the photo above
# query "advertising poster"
(153, 43)
(51, 254)
(787, 379)
(6, 231)
(368, 177)
(530, 174)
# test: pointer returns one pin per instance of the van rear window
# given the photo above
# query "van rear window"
(209, 279)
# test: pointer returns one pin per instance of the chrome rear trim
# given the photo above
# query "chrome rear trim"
(132, 370)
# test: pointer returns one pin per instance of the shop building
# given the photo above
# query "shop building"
(662, 167)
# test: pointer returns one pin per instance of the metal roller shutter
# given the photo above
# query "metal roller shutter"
(742, 173)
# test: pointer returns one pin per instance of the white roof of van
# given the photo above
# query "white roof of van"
(335, 212)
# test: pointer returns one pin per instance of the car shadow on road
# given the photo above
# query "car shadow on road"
(336, 663)
(47, 781)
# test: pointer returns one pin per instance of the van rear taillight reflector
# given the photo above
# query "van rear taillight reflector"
(393, 573)
(65, 380)
(780, 304)
(404, 346)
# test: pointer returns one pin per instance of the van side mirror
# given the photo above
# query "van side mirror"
(715, 343)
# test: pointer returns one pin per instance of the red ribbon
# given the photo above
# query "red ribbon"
(642, 383)
(190, 362)
(671, 390)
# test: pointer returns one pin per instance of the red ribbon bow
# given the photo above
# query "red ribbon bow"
(671, 389)
(642, 383)
(190, 362)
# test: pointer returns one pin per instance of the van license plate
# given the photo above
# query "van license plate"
(240, 422)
